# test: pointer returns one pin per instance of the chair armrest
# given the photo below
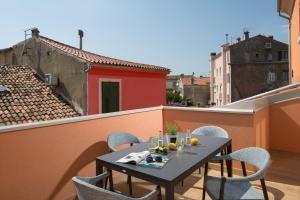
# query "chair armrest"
(150, 195)
(252, 177)
(225, 157)
(94, 179)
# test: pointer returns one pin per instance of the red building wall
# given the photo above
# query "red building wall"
(139, 89)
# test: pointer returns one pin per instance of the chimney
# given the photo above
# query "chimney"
(192, 78)
(246, 35)
(238, 40)
(80, 33)
(212, 54)
(35, 32)
(270, 37)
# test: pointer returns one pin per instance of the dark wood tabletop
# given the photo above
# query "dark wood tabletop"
(179, 166)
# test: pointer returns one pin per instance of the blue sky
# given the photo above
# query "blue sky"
(178, 34)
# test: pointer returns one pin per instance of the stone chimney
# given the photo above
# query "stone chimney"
(80, 33)
(35, 32)
(246, 35)
(238, 40)
(270, 37)
(192, 78)
(212, 54)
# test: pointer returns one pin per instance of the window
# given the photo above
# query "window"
(268, 45)
(283, 55)
(256, 55)
(269, 56)
(285, 75)
(174, 84)
(271, 77)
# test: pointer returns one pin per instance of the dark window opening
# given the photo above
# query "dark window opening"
(285, 75)
(283, 55)
(110, 97)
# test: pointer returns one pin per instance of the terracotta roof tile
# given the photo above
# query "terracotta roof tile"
(98, 59)
(197, 80)
(28, 99)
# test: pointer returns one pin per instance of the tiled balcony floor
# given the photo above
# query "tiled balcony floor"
(282, 179)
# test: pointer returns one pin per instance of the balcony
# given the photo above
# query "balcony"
(39, 159)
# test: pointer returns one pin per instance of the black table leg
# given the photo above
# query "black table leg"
(111, 184)
(169, 192)
(229, 162)
(99, 170)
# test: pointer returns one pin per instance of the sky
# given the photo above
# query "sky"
(177, 34)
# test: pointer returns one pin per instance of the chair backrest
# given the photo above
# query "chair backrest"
(213, 131)
(87, 191)
(256, 156)
(118, 138)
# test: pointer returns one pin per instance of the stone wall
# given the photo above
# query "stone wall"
(199, 94)
(6, 56)
(253, 50)
(251, 79)
(69, 70)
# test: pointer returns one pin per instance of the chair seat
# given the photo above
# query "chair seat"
(232, 190)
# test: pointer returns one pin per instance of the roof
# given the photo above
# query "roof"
(28, 99)
(99, 59)
(197, 80)
(7, 49)
(285, 6)
(254, 38)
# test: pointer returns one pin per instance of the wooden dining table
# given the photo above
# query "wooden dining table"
(181, 164)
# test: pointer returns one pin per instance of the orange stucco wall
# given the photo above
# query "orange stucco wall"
(239, 126)
(262, 128)
(285, 126)
(295, 47)
(39, 163)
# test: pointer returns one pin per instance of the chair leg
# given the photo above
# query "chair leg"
(205, 173)
(222, 168)
(244, 168)
(106, 182)
(159, 197)
(182, 183)
(129, 185)
(199, 170)
(264, 188)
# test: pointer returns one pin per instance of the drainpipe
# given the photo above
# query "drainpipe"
(289, 19)
(87, 68)
(289, 35)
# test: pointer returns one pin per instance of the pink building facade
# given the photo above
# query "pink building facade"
(137, 88)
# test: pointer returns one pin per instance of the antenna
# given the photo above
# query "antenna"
(25, 40)
(245, 29)
(226, 35)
